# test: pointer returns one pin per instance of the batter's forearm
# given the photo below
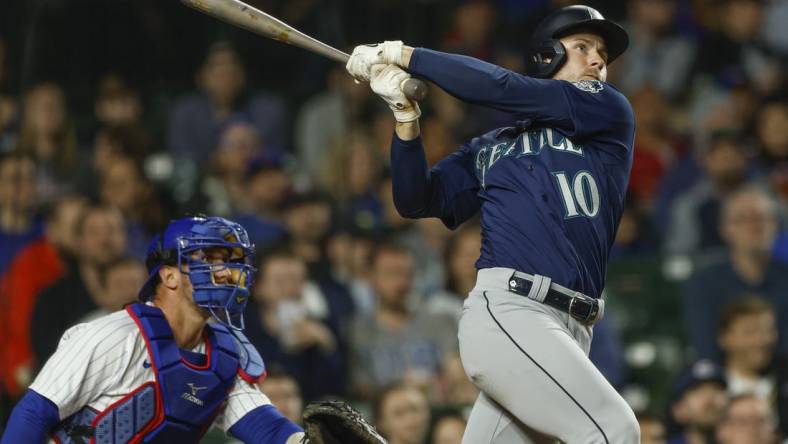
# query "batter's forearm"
(407, 53)
(410, 177)
(408, 130)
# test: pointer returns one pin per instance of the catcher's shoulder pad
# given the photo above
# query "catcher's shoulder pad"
(250, 364)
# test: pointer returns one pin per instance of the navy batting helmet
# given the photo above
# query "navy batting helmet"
(546, 54)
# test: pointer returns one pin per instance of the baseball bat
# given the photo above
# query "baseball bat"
(238, 13)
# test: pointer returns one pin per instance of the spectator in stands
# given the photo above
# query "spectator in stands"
(47, 136)
(125, 187)
(351, 174)
(748, 339)
(425, 238)
(397, 343)
(448, 429)
(18, 198)
(225, 186)
(117, 103)
(196, 119)
(748, 224)
(460, 255)
(109, 144)
(724, 163)
(656, 143)
(118, 108)
(472, 31)
(282, 389)
(657, 54)
(324, 120)
(349, 250)
(308, 218)
(36, 267)
(9, 108)
(102, 239)
(427, 244)
(634, 238)
(747, 420)
(458, 390)
(121, 281)
(698, 403)
(652, 429)
(771, 130)
(292, 324)
(402, 414)
(735, 51)
(266, 190)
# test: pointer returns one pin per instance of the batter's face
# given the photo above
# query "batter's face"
(586, 58)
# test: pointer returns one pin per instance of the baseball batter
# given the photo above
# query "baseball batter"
(550, 189)
(159, 371)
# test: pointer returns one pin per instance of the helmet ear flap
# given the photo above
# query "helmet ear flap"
(546, 59)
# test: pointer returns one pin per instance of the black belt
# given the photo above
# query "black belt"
(581, 307)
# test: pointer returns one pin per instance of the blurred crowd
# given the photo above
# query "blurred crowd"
(116, 117)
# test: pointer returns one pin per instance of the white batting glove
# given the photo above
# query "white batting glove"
(386, 81)
(364, 56)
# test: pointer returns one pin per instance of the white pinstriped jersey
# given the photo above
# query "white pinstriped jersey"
(99, 362)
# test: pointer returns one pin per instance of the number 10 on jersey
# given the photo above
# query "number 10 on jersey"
(580, 194)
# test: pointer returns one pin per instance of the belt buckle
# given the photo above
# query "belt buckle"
(583, 309)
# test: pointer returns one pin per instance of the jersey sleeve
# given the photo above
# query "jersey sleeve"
(448, 190)
(88, 360)
(580, 108)
(243, 398)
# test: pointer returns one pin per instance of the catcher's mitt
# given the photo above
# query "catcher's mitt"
(335, 422)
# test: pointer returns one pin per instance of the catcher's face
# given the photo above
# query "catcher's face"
(221, 274)
(586, 58)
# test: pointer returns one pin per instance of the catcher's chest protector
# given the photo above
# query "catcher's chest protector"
(178, 407)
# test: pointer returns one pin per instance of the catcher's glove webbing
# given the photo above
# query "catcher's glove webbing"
(336, 422)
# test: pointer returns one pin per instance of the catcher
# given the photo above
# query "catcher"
(160, 372)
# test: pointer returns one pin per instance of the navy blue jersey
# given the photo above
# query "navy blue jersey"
(550, 188)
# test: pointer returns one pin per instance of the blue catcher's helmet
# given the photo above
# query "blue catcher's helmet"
(184, 243)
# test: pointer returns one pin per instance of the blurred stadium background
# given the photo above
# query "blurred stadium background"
(117, 116)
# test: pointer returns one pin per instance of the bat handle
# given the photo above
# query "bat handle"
(414, 89)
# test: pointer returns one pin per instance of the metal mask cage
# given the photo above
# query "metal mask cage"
(225, 301)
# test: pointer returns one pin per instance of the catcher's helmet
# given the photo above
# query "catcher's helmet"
(184, 243)
(546, 54)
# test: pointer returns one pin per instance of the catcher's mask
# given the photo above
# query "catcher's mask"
(546, 53)
(187, 243)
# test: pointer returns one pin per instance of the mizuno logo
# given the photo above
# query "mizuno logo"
(194, 388)
(145, 364)
(193, 396)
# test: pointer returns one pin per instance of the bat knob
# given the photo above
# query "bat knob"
(414, 89)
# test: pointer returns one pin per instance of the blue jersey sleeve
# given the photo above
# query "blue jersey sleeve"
(264, 425)
(587, 107)
(447, 191)
(31, 420)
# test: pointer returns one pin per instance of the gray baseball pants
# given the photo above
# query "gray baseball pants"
(530, 362)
